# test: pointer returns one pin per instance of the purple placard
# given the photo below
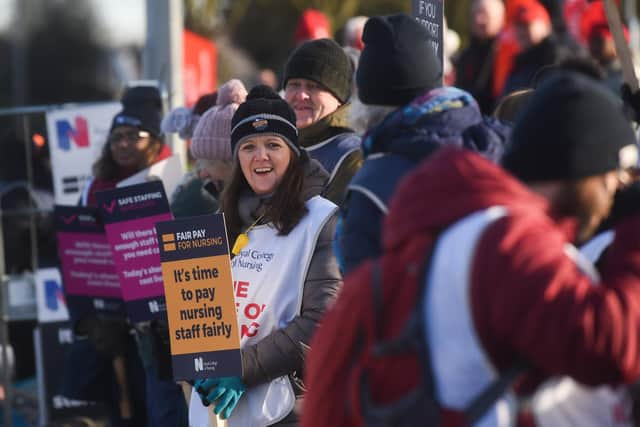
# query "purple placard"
(87, 266)
(89, 276)
(130, 215)
(137, 257)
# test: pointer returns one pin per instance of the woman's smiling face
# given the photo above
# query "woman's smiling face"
(264, 159)
(129, 146)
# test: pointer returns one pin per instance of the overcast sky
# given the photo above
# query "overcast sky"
(6, 6)
(122, 21)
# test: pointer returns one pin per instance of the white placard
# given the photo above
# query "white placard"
(21, 296)
(49, 296)
(76, 136)
(169, 171)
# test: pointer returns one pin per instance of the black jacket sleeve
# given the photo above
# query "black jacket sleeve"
(283, 351)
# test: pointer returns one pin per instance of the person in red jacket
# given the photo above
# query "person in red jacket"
(505, 284)
(475, 64)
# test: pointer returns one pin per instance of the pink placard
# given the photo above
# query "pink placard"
(87, 265)
(136, 256)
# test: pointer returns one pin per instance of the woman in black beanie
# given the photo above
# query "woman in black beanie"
(134, 143)
(108, 365)
(283, 265)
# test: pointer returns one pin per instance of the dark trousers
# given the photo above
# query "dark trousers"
(89, 375)
(166, 406)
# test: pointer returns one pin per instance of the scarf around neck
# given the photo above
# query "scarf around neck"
(325, 128)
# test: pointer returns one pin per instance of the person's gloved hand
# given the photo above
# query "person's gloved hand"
(225, 392)
(203, 387)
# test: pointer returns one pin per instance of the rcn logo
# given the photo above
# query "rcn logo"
(154, 307)
(198, 363)
(53, 295)
(65, 336)
(78, 133)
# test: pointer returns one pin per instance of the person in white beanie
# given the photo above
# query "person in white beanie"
(183, 120)
(211, 148)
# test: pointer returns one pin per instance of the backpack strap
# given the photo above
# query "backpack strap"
(411, 338)
(485, 400)
(402, 411)
(420, 401)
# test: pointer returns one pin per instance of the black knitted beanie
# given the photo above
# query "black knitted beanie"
(397, 63)
(141, 108)
(324, 62)
(572, 127)
(264, 112)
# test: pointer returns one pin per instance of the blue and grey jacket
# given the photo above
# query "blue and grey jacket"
(334, 144)
(405, 137)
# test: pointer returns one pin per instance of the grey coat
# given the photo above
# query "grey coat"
(283, 351)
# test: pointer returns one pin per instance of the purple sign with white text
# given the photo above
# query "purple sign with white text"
(89, 276)
(130, 215)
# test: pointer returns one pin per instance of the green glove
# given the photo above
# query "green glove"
(226, 393)
(203, 387)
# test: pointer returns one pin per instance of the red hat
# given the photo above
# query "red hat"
(594, 23)
(312, 25)
(530, 11)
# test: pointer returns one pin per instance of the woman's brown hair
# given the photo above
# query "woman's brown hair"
(106, 168)
(285, 208)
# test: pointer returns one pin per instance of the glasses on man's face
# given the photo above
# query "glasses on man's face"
(130, 137)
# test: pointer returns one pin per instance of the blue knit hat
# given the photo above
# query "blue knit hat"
(142, 108)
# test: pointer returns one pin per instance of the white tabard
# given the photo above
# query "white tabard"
(269, 275)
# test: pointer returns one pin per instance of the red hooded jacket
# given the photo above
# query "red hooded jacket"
(528, 298)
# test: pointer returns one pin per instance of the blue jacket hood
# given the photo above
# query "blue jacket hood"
(442, 116)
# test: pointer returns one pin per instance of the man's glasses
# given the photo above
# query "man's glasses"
(130, 137)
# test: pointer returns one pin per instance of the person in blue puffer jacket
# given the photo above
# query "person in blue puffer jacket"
(428, 117)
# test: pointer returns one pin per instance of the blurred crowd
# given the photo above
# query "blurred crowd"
(453, 244)
(511, 43)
